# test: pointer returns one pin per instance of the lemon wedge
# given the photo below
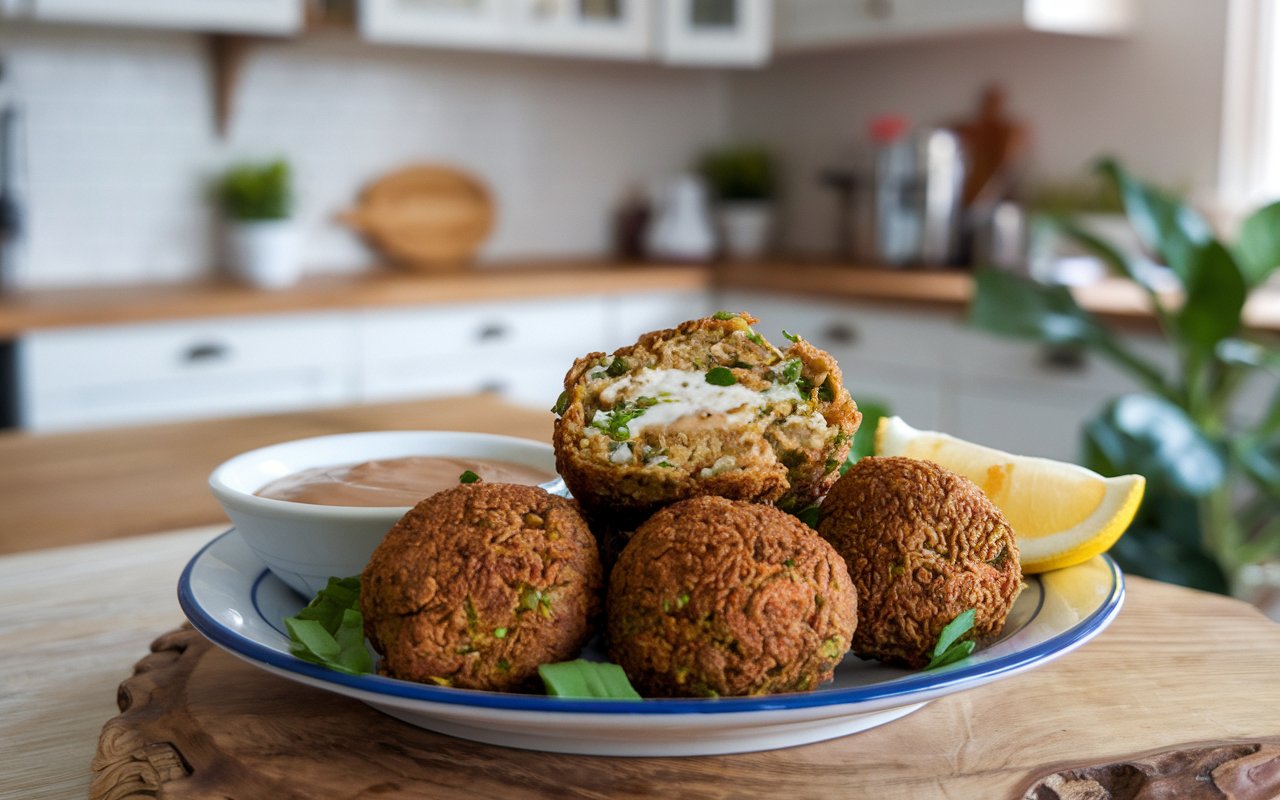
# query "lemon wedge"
(1062, 514)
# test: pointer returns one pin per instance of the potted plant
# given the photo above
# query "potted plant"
(1211, 514)
(742, 180)
(263, 238)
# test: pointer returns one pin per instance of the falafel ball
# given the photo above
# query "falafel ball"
(923, 545)
(479, 584)
(719, 597)
(709, 407)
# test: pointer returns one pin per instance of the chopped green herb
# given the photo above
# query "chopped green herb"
(617, 368)
(810, 515)
(499, 633)
(562, 402)
(789, 563)
(826, 393)
(330, 630)
(949, 649)
(791, 337)
(682, 601)
(791, 370)
(468, 477)
(723, 315)
(614, 422)
(755, 338)
(588, 679)
(721, 376)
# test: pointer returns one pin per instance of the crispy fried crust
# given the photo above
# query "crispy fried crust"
(717, 597)
(923, 545)
(773, 461)
(478, 585)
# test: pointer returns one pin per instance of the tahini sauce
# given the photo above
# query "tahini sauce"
(393, 481)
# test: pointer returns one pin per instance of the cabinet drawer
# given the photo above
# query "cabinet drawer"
(141, 373)
(872, 334)
(480, 330)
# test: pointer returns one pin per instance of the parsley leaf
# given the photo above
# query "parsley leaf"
(330, 630)
(721, 376)
(949, 649)
(468, 477)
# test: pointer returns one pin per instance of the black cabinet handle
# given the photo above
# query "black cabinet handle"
(492, 332)
(205, 352)
(840, 333)
(1063, 358)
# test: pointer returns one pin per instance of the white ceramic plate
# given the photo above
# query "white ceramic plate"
(231, 598)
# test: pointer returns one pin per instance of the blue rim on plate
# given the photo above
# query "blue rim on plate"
(919, 684)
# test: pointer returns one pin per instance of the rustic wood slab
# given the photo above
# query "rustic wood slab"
(199, 723)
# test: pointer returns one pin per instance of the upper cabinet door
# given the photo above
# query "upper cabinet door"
(600, 28)
(710, 32)
(812, 24)
(232, 16)
(452, 23)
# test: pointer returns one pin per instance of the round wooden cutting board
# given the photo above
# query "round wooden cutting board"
(197, 722)
(426, 217)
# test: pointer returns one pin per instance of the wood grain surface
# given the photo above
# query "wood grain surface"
(1116, 300)
(59, 489)
(1150, 706)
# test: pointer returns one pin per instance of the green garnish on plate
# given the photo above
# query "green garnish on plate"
(587, 679)
(949, 649)
(330, 630)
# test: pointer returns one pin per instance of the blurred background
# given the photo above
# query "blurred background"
(221, 207)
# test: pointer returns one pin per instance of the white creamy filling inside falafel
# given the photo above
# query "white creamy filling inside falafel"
(682, 394)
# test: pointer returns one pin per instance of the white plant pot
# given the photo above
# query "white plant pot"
(264, 253)
(747, 229)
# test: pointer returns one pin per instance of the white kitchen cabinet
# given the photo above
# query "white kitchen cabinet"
(448, 23)
(938, 374)
(716, 32)
(521, 350)
(131, 374)
(814, 24)
(232, 16)
(599, 28)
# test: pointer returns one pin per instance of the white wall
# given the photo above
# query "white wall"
(121, 142)
(1152, 98)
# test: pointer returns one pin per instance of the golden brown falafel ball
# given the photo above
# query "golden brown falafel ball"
(923, 545)
(716, 597)
(707, 408)
(478, 585)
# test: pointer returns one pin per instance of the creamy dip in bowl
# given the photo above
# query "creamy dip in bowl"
(305, 541)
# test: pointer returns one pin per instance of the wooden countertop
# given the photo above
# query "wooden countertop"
(1114, 299)
(64, 488)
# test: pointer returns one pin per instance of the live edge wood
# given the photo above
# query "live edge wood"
(1176, 700)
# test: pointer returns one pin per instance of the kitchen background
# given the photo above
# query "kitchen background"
(121, 140)
(120, 307)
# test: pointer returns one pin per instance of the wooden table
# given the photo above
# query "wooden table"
(1177, 669)
(58, 489)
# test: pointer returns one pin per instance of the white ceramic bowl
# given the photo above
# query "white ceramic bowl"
(303, 543)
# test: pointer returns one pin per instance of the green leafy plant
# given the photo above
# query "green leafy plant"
(1212, 503)
(252, 192)
(739, 174)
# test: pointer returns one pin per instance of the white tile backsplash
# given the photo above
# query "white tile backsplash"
(121, 142)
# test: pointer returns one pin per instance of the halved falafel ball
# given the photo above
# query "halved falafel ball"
(478, 585)
(707, 408)
(720, 597)
(923, 545)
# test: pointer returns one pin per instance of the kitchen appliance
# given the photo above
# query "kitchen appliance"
(902, 206)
